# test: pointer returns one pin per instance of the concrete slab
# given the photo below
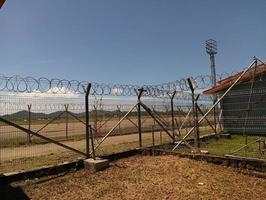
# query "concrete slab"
(96, 165)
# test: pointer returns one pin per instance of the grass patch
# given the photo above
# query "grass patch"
(60, 157)
(227, 146)
(22, 141)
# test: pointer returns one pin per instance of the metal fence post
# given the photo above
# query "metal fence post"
(66, 110)
(196, 122)
(195, 113)
(172, 114)
(29, 123)
(119, 117)
(140, 91)
(87, 93)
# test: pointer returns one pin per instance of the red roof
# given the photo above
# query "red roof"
(227, 82)
(1, 3)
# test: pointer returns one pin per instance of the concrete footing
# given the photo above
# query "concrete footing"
(96, 165)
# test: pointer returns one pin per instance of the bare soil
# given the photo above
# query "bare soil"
(44, 149)
(162, 177)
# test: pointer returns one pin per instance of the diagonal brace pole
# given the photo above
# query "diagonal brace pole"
(158, 121)
(40, 136)
(217, 102)
(112, 129)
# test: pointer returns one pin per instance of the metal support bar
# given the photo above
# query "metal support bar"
(129, 119)
(119, 117)
(148, 110)
(172, 114)
(258, 59)
(59, 115)
(140, 92)
(195, 113)
(249, 100)
(56, 117)
(186, 117)
(244, 146)
(220, 119)
(66, 111)
(159, 117)
(112, 129)
(144, 120)
(201, 112)
(102, 124)
(77, 118)
(29, 122)
(41, 136)
(87, 93)
(218, 101)
(197, 141)
(179, 133)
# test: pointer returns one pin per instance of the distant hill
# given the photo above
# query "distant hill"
(23, 115)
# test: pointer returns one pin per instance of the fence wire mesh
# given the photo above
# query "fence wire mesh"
(56, 110)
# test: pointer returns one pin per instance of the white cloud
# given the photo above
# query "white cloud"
(52, 92)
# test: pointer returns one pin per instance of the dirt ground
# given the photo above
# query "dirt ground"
(55, 130)
(44, 149)
(162, 177)
(77, 128)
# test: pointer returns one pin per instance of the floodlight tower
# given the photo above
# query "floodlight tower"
(211, 49)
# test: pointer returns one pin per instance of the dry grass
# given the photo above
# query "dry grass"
(163, 177)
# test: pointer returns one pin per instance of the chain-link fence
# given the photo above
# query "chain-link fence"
(47, 122)
(238, 113)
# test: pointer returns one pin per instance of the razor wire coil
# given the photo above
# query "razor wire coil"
(44, 85)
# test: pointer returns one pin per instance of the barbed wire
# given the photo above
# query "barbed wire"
(54, 86)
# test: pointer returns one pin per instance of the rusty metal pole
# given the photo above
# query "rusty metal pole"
(172, 114)
(194, 113)
(87, 93)
(2, 3)
(196, 121)
(140, 91)
(66, 110)
(29, 123)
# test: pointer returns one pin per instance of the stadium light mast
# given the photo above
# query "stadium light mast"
(211, 49)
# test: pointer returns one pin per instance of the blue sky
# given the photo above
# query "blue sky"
(128, 41)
